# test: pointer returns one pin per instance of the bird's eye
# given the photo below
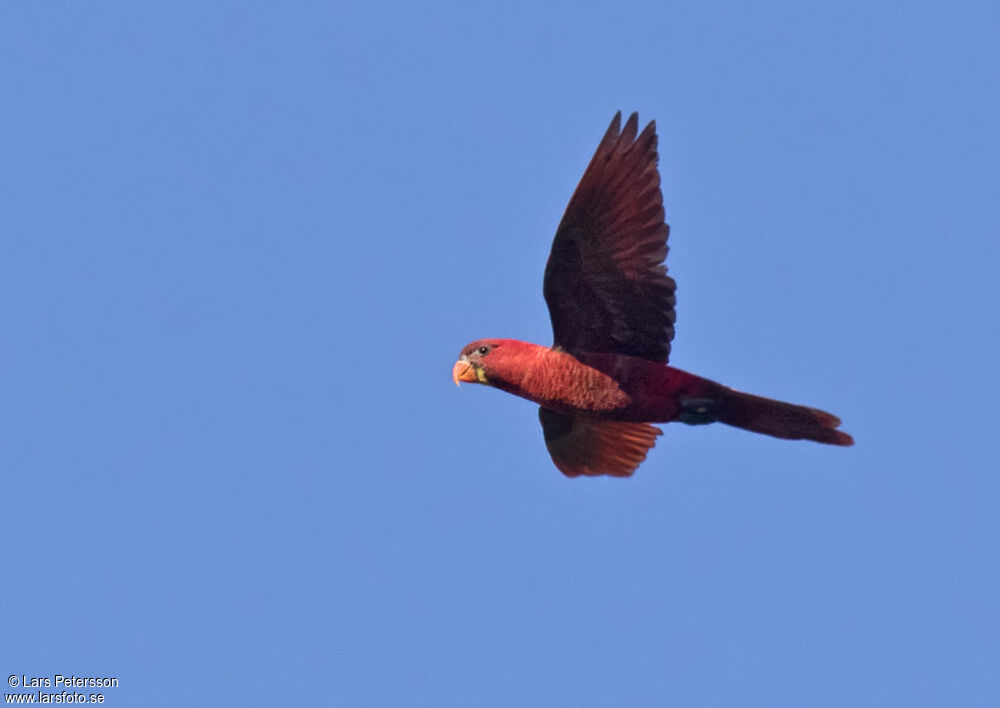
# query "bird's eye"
(484, 350)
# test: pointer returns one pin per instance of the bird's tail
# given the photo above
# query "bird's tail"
(776, 418)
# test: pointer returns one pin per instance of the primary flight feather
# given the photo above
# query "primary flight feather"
(605, 378)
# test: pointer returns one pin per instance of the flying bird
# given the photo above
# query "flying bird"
(605, 380)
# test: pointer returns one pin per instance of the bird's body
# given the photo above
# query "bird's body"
(605, 379)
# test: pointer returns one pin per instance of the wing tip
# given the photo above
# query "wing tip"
(631, 124)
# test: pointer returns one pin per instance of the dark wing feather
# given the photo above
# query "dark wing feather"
(584, 446)
(605, 283)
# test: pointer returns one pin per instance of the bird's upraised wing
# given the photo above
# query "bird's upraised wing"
(605, 283)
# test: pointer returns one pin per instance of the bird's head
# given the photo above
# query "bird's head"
(473, 365)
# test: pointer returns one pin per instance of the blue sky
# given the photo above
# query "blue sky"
(241, 245)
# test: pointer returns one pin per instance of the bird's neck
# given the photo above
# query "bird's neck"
(554, 379)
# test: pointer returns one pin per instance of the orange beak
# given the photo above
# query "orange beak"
(463, 371)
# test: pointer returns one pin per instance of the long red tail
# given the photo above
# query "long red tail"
(777, 418)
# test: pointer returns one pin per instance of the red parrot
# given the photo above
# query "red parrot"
(605, 379)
